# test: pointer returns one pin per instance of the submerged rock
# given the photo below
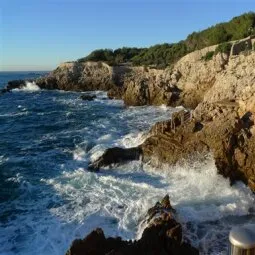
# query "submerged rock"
(5, 90)
(115, 155)
(162, 235)
(88, 97)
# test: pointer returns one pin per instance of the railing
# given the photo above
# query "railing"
(242, 240)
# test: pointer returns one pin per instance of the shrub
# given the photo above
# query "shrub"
(223, 48)
(166, 54)
(208, 56)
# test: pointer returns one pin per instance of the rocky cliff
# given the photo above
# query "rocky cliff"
(83, 76)
(222, 93)
(185, 83)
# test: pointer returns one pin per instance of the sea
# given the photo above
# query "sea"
(48, 198)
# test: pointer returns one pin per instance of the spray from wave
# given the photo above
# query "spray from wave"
(29, 86)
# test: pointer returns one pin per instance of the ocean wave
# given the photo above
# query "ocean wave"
(29, 86)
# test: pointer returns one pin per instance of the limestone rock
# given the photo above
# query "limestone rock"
(225, 134)
(149, 86)
(76, 76)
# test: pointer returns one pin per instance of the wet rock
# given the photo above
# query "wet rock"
(162, 235)
(88, 97)
(15, 84)
(226, 134)
(115, 155)
(49, 82)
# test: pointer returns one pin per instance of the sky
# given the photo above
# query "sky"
(40, 34)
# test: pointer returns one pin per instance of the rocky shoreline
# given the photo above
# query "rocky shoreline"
(162, 235)
(219, 94)
(220, 91)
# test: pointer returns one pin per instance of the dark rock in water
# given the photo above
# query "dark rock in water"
(2, 91)
(15, 84)
(162, 236)
(159, 206)
(88, 97)
(115, 155)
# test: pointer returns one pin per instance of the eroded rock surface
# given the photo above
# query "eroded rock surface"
(79, 77)
(162, 235)
(145, 86)
(223, 132)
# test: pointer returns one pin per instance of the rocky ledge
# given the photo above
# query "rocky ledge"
(222, 91)
(162, 235)
(222, 131)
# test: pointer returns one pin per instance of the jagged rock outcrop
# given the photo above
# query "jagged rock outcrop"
(223, 122)
(185, 83)
(144, 86)
(15, 84)
(83, 76)
(163, 235)
(222, 131)
(78, 77)
(221, 128)
(227, 136)
(235, 83)
(197, 75)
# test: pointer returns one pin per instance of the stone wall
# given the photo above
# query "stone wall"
(242, 45)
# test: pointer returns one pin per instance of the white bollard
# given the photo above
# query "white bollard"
(242, 240)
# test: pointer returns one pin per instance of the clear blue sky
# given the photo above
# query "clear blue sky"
(39, 34)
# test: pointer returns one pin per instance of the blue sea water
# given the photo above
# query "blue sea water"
(48, 198)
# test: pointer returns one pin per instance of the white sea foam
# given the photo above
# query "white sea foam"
(117, 200)
(133, 139)
(29, 86)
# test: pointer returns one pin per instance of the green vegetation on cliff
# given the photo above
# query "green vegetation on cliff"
(113, 57)
(162, 55)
